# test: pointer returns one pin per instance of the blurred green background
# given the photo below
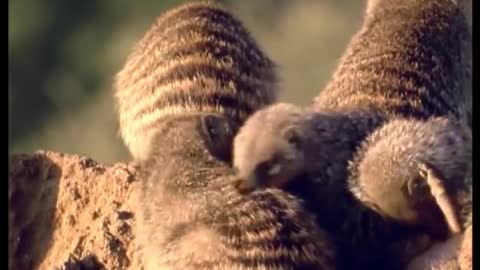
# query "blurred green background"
(63, 56)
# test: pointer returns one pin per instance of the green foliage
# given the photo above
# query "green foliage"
(63, 55)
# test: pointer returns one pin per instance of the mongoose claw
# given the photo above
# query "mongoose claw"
(439, 193)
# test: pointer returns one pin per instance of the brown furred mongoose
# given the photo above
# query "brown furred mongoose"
(428, 80)
(189, 216)
(406, 93)
(306, 153)
(195, 57)
(283, 141)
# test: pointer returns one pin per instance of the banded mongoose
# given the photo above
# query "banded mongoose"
(194, 58)
(409, 91)
(405, 63)
(417, 172)
(189, 216)
(306, 153)
(282, 142)
(422, 92)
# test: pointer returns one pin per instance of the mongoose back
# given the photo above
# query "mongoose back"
(190, 216)
(196, 57)
(407, 60)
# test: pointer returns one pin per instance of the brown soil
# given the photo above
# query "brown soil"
(69, 212)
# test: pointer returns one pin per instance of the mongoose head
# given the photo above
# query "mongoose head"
(415, 171)
(268, 148)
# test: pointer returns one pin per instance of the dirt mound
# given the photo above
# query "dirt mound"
(68, 212)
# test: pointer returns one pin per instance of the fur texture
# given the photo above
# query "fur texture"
(196, 57)
(190, 217)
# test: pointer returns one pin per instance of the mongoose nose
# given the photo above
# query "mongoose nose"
(244, 185)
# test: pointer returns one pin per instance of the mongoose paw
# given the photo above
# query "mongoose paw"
(439, 193)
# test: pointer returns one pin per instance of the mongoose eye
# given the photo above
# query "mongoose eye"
(292, 137)
(262, 171)
(215, 127)
(418, 188)
(218, 133)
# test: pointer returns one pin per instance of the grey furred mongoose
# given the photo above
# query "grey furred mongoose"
(405, 64)
(191, 217)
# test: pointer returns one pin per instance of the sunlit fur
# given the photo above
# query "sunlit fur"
(191, 217)
(406, 62)
(385, 171)
(194, 58)
(188, 83)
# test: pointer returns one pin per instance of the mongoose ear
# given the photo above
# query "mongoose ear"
(218, 134)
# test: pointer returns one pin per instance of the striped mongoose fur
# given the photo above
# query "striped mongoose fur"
(417, 80)
(385, 173)
(211, 76)
(407, 60)
(194, 58)
(306, 153)
(191, 217)
(405, 63)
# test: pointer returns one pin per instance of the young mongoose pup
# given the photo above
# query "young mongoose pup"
(194, 58)
(283, 141)
(190, 216)
(417, 172)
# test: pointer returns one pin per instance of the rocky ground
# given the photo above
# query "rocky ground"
(69, 212)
